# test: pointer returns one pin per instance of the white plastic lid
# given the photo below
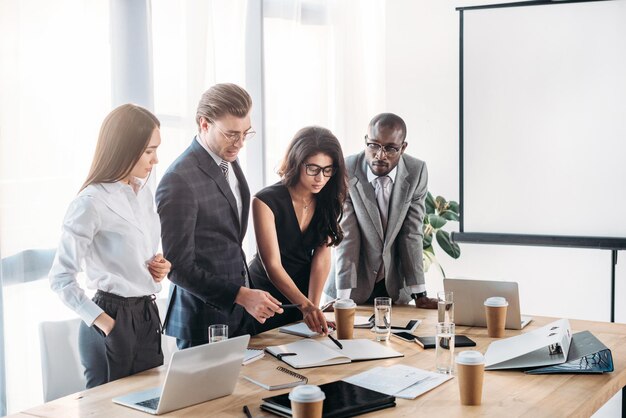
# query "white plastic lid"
(306, 393)
(344, 303)
(470, 357)
(496, 301)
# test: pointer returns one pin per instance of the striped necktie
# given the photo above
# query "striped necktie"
(224, 167)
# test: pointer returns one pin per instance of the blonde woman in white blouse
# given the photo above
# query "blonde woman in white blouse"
(112, 229)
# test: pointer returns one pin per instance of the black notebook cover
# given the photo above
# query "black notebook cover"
(343, 400)
(459, 341)
(586, 355)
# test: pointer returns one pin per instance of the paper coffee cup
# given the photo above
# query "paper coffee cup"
(470, 370)
(344, 317)
(495, 311)
(307, 401)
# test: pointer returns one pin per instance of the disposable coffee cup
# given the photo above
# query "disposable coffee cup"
(470, 372)
(495, 311)
(344, 317)
(307, 401)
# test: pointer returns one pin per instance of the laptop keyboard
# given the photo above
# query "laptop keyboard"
(150, 403)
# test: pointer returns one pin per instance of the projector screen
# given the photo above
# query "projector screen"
(544, 119)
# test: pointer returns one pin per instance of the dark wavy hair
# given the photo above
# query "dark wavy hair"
(307, 142)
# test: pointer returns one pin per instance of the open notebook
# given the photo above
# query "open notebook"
(312, 353)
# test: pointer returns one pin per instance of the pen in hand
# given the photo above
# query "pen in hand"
(337, 343)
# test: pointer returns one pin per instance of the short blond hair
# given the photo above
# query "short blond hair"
(222, 99)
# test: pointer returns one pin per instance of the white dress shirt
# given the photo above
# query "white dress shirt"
(115, 231)
(232, 178)
(371, 177)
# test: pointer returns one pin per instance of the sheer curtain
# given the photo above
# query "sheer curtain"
(324, 65)
(55, 84)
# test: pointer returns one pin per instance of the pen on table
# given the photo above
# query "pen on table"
(335, 341)
(387, 324)
(247, 411)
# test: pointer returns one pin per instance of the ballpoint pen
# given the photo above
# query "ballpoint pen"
(247, 411)
(335, 341)
(289, 305)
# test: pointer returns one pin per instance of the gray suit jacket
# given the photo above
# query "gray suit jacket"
(202, 237)
(358, 257)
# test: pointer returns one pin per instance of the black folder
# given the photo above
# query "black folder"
(587, 355)
(343, 400)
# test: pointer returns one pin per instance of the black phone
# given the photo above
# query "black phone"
(404, 336)
(459, 341)
(412, 324)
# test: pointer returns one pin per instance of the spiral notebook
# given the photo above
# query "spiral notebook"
(278, 378)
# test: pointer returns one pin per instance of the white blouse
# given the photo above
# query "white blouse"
(116, 232)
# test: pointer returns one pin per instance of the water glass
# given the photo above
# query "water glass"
(444, 348)
(218, 332)
(382, 318)
(445, 306)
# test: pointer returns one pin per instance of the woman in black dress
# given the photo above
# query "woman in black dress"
(296, 221)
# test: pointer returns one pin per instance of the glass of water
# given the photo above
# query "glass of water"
(445, 307)
(444, 348)
(382, 321)
(218, 332)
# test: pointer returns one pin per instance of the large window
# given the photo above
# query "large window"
(55, 84)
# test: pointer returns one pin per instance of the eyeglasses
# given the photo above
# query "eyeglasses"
(314, 170)
(234, 137)
(375, 148)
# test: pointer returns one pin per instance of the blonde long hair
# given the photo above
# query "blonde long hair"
(124, 136)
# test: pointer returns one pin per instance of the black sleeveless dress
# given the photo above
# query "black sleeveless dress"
(296, 252)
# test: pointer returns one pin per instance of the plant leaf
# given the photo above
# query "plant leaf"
(430, 250)
(430, 203)
(454, 206)
(446, 244)
(449, 215)
(436, 221)
(427, 241)
(440, 203)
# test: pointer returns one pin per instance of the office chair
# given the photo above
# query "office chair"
(61, 370)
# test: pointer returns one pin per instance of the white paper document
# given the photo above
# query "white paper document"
(541, 347)
(399, 380)
(300, 329)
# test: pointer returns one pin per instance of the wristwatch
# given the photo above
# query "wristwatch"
(416, 296)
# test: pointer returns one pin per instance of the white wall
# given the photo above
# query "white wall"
(422, 48)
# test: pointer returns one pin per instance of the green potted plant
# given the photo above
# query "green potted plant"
(438, 212)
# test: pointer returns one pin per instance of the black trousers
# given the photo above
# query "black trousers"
(379, 291)
(134, 344)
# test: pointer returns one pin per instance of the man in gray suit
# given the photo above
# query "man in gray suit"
(381, 253)
(203, 201)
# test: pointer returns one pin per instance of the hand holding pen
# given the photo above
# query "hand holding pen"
(337, 343)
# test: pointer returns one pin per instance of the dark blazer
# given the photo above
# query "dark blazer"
(202, 238)
(364, 245)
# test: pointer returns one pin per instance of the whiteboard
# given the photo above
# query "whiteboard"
(545, 119)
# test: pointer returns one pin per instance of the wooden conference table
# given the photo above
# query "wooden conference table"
(505, 393)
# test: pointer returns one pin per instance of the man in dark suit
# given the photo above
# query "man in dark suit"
(203, 201)
(381, 253)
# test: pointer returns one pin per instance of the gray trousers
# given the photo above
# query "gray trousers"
(134, 344)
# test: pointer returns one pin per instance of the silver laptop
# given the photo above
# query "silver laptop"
(191, 377)
(469, 296)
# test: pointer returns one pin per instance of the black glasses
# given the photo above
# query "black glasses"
(375, 148)
(234, 137)
(314, 170)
